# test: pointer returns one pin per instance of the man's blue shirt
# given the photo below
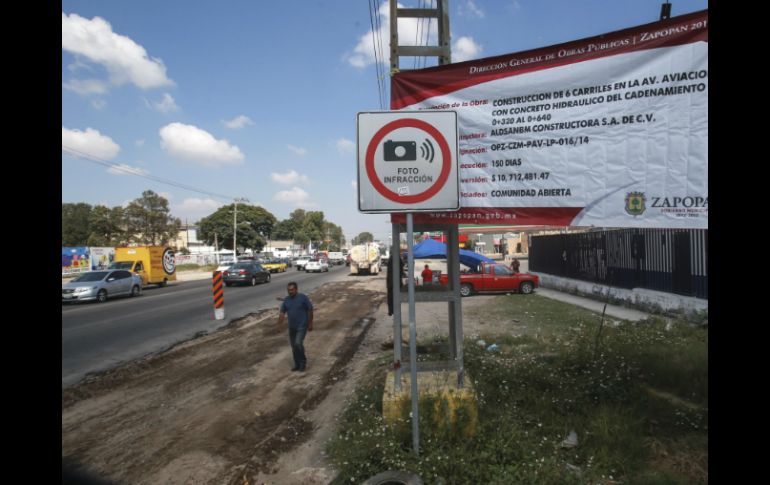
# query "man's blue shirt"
(296, 309)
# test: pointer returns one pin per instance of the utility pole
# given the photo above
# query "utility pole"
(235, 227)
(442, 50)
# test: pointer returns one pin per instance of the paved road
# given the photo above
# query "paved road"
(96, 337)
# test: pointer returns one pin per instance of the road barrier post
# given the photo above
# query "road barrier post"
(219, 297)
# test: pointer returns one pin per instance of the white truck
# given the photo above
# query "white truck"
(365, 259)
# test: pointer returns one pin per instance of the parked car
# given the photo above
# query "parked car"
(275, 266)
(494, 278)
(301, 262)
(246, 273)
(100, 285)
(317, 265)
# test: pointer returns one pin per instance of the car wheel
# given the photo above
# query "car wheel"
(228, 284)
(101, 297)
(526, 288)
(136, 291)
(267, 280)
(253, 281)
(466, 289)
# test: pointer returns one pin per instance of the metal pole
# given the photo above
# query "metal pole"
(395, 260)
(235, 233)
(412, 337)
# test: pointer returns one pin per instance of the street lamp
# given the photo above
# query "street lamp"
(235, 227)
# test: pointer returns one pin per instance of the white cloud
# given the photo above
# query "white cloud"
(238, 122)
(123, 169)
(295, 196)
(98, 104)
(191, 143)
(90, 142)
(85, 87)
(195, 208)
(139, 143)
(289, 178)
(464, 49)
(125, 60)
(166, 195)
(472, 8)
(166, 105)
(410, 32)
(345, 146)
(298, 150)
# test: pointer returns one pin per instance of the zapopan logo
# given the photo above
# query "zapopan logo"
(446, 166)
(635, 203)
(169, 263)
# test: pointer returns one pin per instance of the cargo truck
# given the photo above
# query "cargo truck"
(154, 264)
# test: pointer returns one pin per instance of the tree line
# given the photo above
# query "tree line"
(147, 221)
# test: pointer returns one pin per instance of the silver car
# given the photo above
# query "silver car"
(100, 285)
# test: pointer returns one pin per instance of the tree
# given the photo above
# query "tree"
(313, 227)
(334, 236)
(75, 224)
(362, 238)
(255, 225)
(106, 226)
(148, 220)
(284, 230)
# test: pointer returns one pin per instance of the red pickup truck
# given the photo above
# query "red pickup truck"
(494, 278)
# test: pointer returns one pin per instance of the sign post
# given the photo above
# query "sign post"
(407, 162)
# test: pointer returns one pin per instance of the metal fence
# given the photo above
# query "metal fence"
(669, 260)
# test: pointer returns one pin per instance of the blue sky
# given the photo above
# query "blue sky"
(259, 99)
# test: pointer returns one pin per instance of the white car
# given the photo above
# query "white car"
(317, 265)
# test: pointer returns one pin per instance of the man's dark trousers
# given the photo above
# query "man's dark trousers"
(296, 339)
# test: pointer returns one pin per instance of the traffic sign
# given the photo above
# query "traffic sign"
(407, 161)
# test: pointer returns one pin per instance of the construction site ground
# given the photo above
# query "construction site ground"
(225, 407)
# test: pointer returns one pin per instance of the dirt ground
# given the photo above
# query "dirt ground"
(224, 408)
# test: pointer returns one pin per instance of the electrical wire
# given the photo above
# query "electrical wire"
(376, 55)
(97, 160)
(383, 70)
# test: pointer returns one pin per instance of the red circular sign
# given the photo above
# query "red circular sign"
(433, 189)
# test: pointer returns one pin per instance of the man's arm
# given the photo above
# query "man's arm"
(310, 320)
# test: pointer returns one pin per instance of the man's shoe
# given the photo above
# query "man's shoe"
(302, 369)
(295, 369)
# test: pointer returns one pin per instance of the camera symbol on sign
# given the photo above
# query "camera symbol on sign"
(406, 151)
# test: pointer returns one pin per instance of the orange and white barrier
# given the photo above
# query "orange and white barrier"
(219, 297)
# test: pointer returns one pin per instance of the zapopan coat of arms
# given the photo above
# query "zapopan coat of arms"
(635, 203)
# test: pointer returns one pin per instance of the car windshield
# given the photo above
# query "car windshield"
(122, 265)
(241, 266)
(91, 276)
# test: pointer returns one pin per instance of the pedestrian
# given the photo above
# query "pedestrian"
(515, 265)
(427, 275)
(300, 311)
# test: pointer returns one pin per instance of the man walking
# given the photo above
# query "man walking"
(300, 311)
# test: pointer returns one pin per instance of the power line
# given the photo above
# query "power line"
(91, 158)
(378, 24)
(376, 54)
